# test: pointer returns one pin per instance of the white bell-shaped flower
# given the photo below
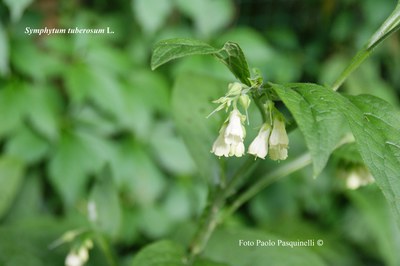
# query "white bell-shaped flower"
(235, 131)
(231, 136)
(278, 141)
(259, 146)
(236, 149)
(220, 147)
(74, 259)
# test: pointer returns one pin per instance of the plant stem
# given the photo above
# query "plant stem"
(212, 212)
(266, 180)
(391, 24)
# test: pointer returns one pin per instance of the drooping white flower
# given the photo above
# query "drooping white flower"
(235, 131)
(259, 146)
(220, 147)
(79, 257)
(358, 177)
(231, 136)
(278, 141)
(236, 149)
(74, 259)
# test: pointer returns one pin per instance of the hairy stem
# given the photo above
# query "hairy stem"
(211, 215)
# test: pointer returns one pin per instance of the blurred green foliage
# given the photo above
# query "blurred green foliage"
(84, 120)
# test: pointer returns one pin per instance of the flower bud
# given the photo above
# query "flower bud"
(278, 141)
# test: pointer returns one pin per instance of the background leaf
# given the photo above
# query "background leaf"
(375, 212)
(194, 92)
(160, 253)
(4, 64)
(104, 198)
(17, 7)
(226, 241)
(11, 174)
(151, 14)
(219, 14)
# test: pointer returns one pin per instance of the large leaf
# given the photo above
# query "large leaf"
(231, 55)
(161, 253)
(318, 118)
(224, 247)
(11, 174)
(168, 50)
(375, 126)
(191, 103)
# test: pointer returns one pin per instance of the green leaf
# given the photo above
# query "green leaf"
(151, 14)
(11, 174)
(17, 7)
(77, 155)
(207, 262)
(27, 146)
(317, 117)
(44, 111)
(136, 174)
(12, 107)
(4, 63)
(104, 197)
(170, 150)
(232, 56)
(167, 50)
(224, 247)
(374, 124)
(190, 111)
(25, 242)
(162, 253)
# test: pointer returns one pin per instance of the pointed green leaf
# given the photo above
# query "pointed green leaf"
(317, 117)
(374, 124)
(232, 56)
(167, 50)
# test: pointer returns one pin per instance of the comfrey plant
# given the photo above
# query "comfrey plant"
(318, 111)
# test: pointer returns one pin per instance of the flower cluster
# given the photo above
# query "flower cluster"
(271, 138)
(78, 257)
